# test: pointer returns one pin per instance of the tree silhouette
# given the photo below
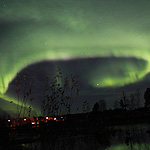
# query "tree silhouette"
(124, 101)
(102, 105)
(24, 87)
(85, 106)
(132, 103)
(59, 93)
(96, 107)
(147, 97)
(138, 98)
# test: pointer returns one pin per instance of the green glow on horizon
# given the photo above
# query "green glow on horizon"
(142, 146)
(10, 106)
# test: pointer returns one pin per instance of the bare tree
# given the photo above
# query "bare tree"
(147, 97)
(96, 107)
(132, 103)
(124, 102)
(138, 98)
(71, 92)
(59, 93)
(85, 106)
(24, 86)
(102, 105)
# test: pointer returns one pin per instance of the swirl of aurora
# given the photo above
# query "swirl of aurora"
(33, 31)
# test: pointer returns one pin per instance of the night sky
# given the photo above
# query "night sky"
(104, 44)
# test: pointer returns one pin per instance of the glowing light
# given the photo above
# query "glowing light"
(47, 118)
(88, 34)
(118, 72)
(120, 39)
(24, 119)
(54, 118)
(8, 120)
(33, 122)
(12, 106)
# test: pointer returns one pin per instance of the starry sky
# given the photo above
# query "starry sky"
(104, 44)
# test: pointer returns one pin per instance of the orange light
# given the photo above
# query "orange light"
(54, 118)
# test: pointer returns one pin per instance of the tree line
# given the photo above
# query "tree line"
(126, 103)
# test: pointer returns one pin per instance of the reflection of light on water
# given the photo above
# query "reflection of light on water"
(142, 146)
(25, 146)
(143, 137)
(118, 147)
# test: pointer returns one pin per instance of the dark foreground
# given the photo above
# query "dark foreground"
(96, 130)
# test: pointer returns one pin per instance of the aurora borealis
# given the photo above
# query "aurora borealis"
(106, 41)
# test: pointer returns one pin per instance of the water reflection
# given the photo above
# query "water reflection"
(95, 138)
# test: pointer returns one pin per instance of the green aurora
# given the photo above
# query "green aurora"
(11, 108)
(34, 31)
